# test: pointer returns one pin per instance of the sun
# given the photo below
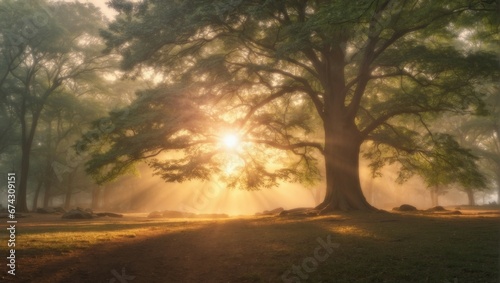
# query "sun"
(230, 141)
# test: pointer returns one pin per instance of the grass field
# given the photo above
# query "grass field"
(367, 247)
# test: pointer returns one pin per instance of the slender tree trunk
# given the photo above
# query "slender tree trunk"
(470, 196)
(434, 196)
(67, 199)
(106, 196)
(69, 190)
(21, 201)
(498, 188)
(96, 191)
(48, 188)
(37, 193)
(27, 136)
(343, 188)
(48, 167)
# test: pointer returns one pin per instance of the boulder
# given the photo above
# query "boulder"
(77, 214)
(59, 210)
(437, 208)
(405, 207)
(275, 211)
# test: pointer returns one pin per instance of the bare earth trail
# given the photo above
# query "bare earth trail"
(377, 247)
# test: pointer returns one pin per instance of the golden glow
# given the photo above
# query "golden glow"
(233, 164)
(231, 141)
(230, 168)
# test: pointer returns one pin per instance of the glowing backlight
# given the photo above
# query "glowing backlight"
(230, 141)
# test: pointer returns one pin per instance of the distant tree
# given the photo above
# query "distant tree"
(482, 134)
(294, 80)
(64, 118)
(46, 48)
(448, 165)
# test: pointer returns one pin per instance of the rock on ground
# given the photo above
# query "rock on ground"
(405, 207)
(77, 214)
(437, 208)
(275, 211)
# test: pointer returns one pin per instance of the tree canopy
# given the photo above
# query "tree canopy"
(47, 50)
(294, 80)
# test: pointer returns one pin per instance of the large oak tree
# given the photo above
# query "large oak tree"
(294, 80)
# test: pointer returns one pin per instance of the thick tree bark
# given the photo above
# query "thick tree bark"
(343, 188)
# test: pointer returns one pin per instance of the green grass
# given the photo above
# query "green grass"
(379, 247)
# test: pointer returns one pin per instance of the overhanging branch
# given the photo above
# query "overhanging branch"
(293, 146)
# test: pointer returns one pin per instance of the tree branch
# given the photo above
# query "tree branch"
(293, 146)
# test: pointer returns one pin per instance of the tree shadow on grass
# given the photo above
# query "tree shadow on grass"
(381, 248)
(222, 251)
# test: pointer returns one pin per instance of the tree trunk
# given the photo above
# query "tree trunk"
(470, 196)
(48, 167)
(27, 136)
(498, 188)
(343, 188)
(21, 201)
(67, 199)
(37, 193)
(434, 196)
(69, 190)
(48, 188)
(95, 197)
